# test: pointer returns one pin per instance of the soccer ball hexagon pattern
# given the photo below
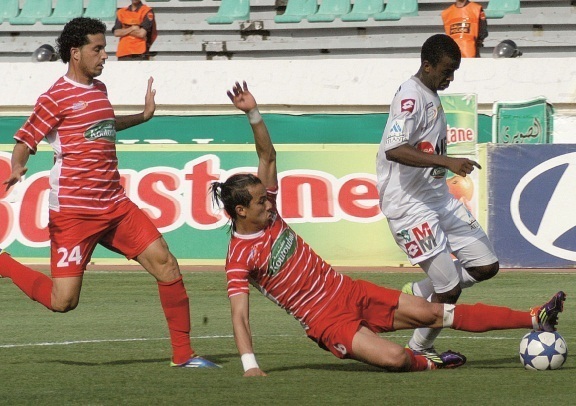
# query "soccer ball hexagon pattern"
(542, 350)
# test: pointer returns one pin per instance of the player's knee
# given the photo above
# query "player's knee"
(449, 297)
(485, 272)
(399, 361)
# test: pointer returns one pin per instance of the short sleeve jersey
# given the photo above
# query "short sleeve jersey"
(284, 268)
(416, 118)
(79, 123)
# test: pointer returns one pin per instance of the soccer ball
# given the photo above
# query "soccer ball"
(542, 350)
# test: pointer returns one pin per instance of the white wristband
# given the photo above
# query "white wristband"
(254, 116)
(249, 361)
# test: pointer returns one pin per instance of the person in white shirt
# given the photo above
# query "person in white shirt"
(427, 222)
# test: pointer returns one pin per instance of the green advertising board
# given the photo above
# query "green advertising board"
(524, 122)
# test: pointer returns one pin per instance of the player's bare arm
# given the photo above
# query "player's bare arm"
(20, 156)
(240, 310)
(406, 154)
(244, 100)
(125, 122)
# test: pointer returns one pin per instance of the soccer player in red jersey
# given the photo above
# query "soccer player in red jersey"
(342, 315)
(87, 203)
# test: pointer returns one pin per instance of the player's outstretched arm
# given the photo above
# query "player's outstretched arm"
(244, 100)
(239, 305)
(124, 122)
(20, 156)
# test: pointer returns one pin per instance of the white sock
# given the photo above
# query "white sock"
(465, 279)
(423, 338)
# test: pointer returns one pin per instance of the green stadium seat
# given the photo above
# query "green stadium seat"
(101, 9)
(230, 11)
(329, 10)
(296, 10)
(364, 9)
(64, 11)
(396, 9)
(8, 9)
(32, 11)
(499, 8)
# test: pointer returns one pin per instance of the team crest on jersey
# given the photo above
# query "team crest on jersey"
(407, 105)
(423, 240)
(79, 105)
(282, 250)
(104, 129)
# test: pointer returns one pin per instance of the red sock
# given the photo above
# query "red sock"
(479, 317)
(176, 306)
(417, 362)
(34, 284)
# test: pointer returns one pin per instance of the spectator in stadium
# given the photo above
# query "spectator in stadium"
(136, 27)
(342, 315)
(87, 204)
(428, 223)
(465, 22)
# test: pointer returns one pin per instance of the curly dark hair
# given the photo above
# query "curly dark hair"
(437, 46)
(75, 34)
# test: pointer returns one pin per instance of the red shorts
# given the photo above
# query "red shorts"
(125, 230)
(363, 304)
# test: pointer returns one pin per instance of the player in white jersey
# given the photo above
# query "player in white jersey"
(342, 315)
(427, 222)
(87, 204)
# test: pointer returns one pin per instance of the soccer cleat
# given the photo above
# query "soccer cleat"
(429, 353)
(196, 362)
(547, 314)
(449, 359)
(408, 288)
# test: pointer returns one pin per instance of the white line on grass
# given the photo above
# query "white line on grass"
(119, 340)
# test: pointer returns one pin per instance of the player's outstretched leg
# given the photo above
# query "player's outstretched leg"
(547, 314)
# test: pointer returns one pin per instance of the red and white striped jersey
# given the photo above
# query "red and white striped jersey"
(79, 123)
(284, 268)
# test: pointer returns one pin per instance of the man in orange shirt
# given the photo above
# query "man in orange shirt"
(466, 23)
(136, 27)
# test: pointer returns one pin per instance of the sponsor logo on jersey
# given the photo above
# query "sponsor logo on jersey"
(282, 250)
(407, 105)
(412, 249)
(426, 147)
(341, 348)
(79, 105)
(424, 237)
(404, 234)
(557, 220)
(396, 132)
(104, 129)
(438, 172)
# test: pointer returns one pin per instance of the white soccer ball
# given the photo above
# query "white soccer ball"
(542, 350)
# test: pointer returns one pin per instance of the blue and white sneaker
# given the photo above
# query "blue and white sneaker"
(547, 314)
(196, 362)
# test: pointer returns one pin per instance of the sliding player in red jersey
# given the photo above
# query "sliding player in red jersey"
(87, 203)
(342, 315)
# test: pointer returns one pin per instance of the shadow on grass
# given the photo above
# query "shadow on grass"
(220, 359)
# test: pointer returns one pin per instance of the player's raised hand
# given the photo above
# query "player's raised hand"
(149, 102)
(242, 98)
(463, 166)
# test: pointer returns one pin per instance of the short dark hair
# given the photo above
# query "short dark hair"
(234, 192)
(438, 46)
(75, 34)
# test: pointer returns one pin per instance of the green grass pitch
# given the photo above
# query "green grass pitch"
(113, 350)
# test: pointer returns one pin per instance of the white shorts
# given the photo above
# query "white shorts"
(427, 232)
